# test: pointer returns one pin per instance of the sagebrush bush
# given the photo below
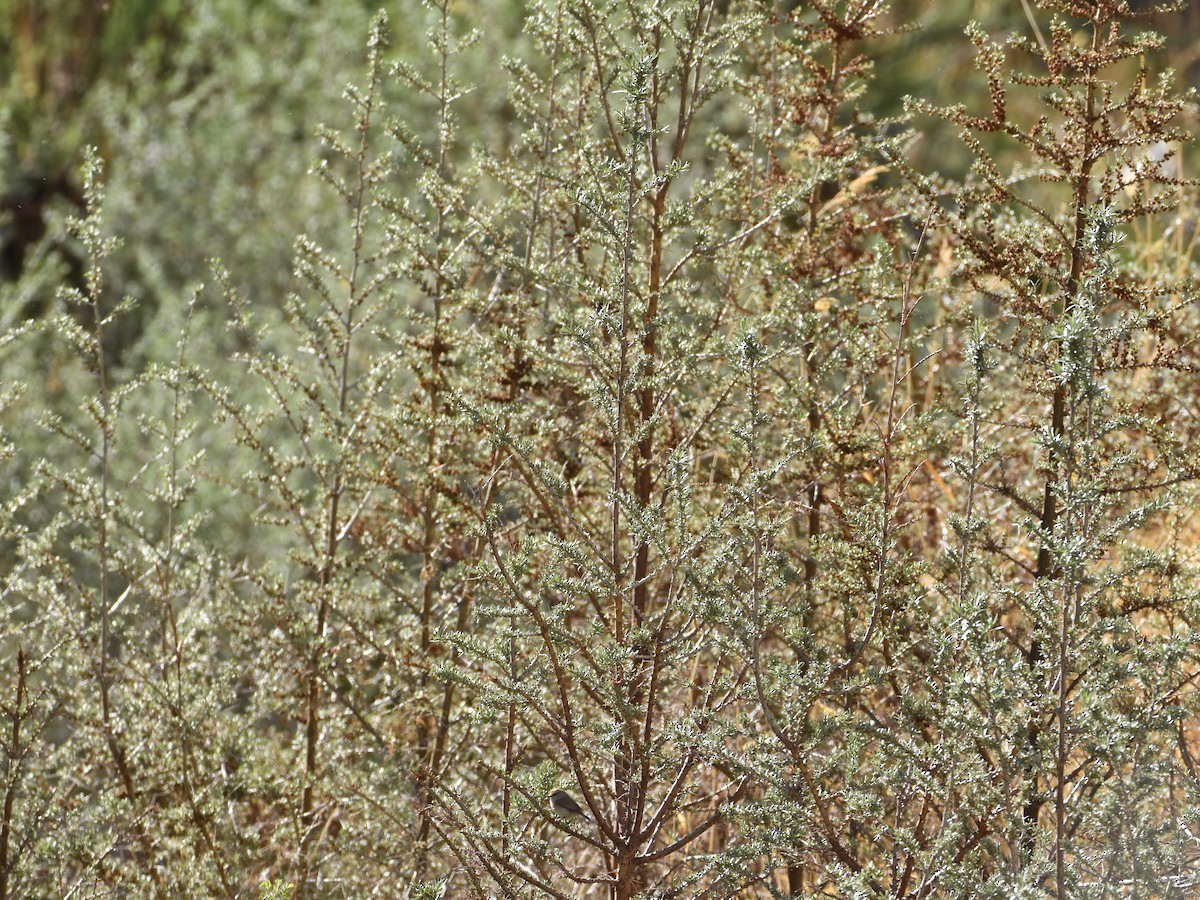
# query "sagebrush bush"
(640, 417)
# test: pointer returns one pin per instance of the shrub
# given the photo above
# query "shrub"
(647, 424)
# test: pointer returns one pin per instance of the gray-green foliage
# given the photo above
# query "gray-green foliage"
(608, 408)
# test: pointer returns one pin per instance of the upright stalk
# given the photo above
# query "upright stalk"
(98, 247)
(14, 751)
(429, 741)
(336, 484)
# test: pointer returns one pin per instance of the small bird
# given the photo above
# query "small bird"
(562, 803)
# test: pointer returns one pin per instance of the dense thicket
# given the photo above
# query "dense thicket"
(624, 402)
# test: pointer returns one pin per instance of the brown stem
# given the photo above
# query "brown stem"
(16, 758)
(332, 531)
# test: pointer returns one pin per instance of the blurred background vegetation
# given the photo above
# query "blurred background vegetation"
(207, 110)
